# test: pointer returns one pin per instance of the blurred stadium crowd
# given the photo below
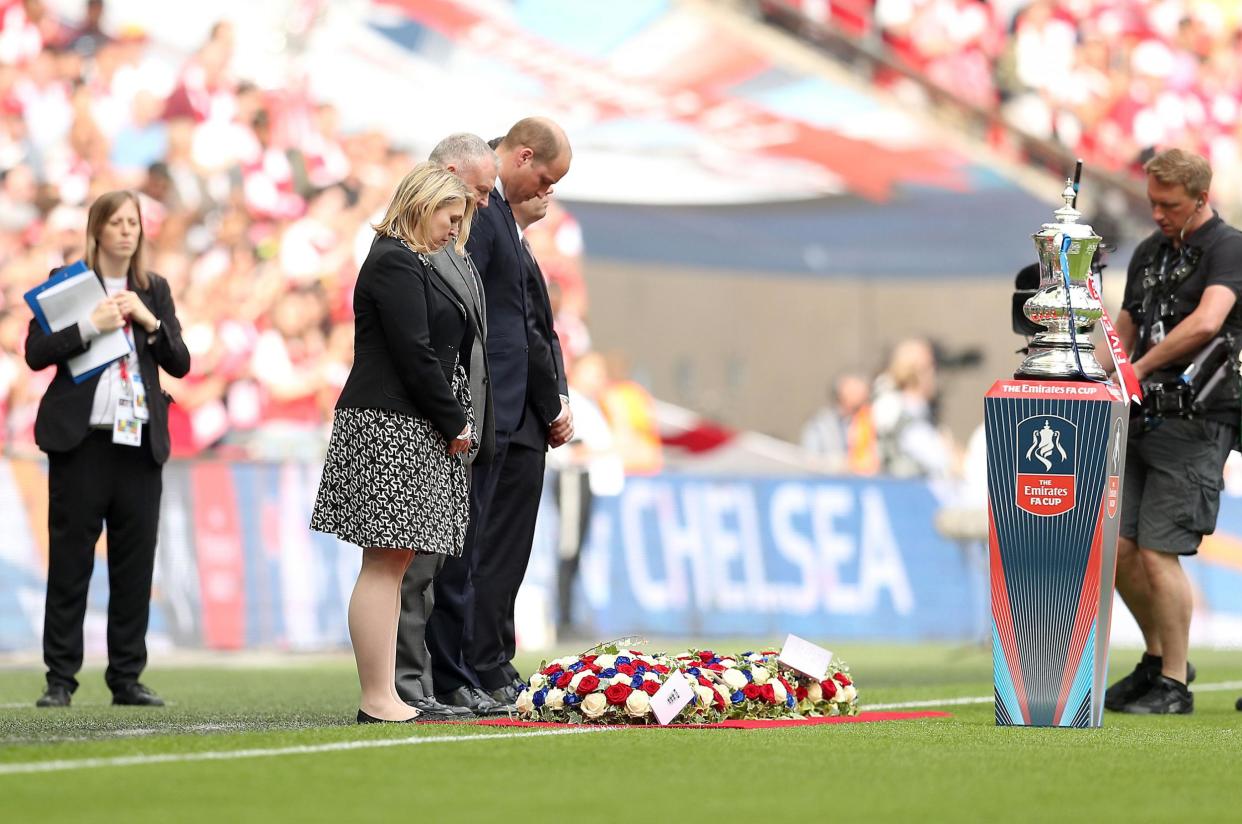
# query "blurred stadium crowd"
(257, 209)
(257, 204)
(1107, 79)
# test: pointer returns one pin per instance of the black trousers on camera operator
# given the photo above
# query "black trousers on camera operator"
(1181, 324)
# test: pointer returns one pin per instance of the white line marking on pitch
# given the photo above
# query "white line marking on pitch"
(1219, 686)
(229, 755)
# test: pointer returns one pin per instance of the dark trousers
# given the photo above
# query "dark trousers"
(100, 482)
(471, 635)
(417, 600)
(576, 502)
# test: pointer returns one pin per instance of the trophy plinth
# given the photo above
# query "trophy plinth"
(1063, 304)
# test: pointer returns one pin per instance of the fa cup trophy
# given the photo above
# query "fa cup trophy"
(1056, 438)
(1064, 303)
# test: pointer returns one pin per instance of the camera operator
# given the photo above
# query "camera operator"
(1180, 326)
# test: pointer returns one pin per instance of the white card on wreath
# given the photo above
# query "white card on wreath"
(671, 698)
(805, 657)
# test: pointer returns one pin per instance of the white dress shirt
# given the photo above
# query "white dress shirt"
(110, 386)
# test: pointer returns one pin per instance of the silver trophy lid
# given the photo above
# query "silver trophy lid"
(1067, 217)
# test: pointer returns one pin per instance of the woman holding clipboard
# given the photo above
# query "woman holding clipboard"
(106, 439)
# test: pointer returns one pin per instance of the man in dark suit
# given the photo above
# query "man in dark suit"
(470, 632)
(470, 158)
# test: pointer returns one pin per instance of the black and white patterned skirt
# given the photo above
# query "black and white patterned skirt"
(388, 481)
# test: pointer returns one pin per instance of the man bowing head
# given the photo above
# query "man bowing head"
(470, 634)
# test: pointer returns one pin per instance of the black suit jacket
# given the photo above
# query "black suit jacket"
(519, 347)
(545, 366)
(64, 415)
(410, 329)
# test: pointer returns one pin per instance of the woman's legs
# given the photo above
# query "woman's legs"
(373, 609)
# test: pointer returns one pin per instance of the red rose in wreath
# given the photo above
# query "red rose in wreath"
(617, 693)
(751, 691)
(650, 687)
(829, 687)
(588, 685)
(842, 679)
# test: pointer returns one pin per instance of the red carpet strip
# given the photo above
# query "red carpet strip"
(760, 724)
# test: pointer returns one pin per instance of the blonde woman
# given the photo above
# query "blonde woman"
(106, 440)
(394, 480)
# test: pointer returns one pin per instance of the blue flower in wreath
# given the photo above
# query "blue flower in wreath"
(737, 697)
(715, 660)
(623, 659)
(789, 700)
(636, 682)
(608, 673)
(749, 677)
(640, 668)
(747, 654)
(575, 666)
(694, 671)
(571, 699)
(540, 697)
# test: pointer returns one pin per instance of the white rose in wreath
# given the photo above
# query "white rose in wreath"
(593, 705)
(847, 695)
(620, 678)
(537, 681)
(525, 703)
(605, 661)
(577, 679)
(638, 704)
(555, 699)
(651, 676)
(705, 694)
(779, 689)
(761, 675)
(814, 692)
(724, 693)
(734, 679)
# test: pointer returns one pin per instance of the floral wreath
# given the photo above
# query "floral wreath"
(612, 684)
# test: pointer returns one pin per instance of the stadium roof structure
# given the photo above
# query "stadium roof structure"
(693, 144)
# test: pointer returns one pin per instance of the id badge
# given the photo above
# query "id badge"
(1157, 332)
(141, 412)
(126, 428)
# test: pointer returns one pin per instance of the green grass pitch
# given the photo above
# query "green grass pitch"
(274, 742)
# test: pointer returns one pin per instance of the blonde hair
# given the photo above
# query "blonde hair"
(102, 210)
(425, 189)
(1174, 166)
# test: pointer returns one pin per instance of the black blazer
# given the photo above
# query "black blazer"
(545, 371)
(410, 329)
(64, 415)
(518, 347)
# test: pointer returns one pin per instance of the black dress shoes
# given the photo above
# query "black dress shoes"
(55, 695)
(136, 695)
(475, 700)
(435, 711)
(363, 718)
(507, 694)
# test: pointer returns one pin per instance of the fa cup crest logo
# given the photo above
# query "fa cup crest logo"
(1046, 461)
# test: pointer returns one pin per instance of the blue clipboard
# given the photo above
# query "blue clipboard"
(32, 301)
